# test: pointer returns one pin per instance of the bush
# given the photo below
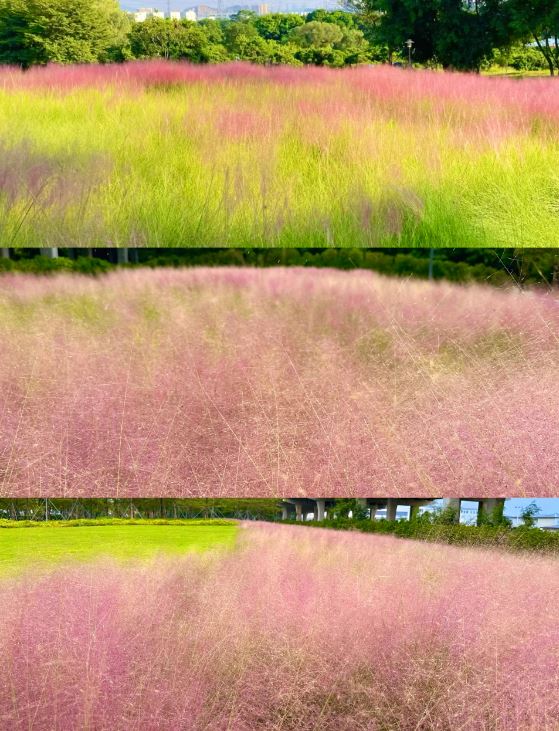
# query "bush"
(521, 58)
(497, 536)
(110, 521)
(46, 265)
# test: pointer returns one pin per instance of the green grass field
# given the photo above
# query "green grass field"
(44, 545)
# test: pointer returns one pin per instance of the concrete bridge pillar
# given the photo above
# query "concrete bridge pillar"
(4, 253)
(122, 256)
(299, 510)
(284, 512)
(51, 252)
(414, 511)
(487, 506)
(391, 507)
(452, 503)
(320, 509)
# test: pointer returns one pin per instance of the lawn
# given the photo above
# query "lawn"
(46, 545)
(162, 154)
(240, 382)
(299, 628)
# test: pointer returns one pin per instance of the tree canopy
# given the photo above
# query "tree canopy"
(458, 34)
(61, 31)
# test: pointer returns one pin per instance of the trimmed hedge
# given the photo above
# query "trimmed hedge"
(522, 538)
(110, 521)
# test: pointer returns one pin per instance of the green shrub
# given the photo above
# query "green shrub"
(111, 521)
(492, 536)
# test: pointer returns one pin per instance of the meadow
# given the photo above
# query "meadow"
(44, 545)
(167, 154)
(240, 382)
(294, 629)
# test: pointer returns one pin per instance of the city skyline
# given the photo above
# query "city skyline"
(283, 6)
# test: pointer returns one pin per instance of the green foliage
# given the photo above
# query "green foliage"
(243, 42)
(493, 266)
(177, 40)
(61, 31)
(529, 513)
(461, 35)
(338, 17)
(397, 20)
(81, 522)
(46, 265)
(342, 508)
(317, 35)
(140, 510)
(445, 516)
(328, 44)
(277, 26)
(537, 21)
(491, 536)
(518, 57)
(495, 518)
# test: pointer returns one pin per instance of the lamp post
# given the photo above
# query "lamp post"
(409, 44)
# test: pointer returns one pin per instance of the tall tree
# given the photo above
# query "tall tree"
(159, 38)
(61, 31)
(538, 21)
(397, 20)
(454, 33)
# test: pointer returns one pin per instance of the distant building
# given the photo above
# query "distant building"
(201, 12)
(143, 14)
(547, 522)
(544, 522)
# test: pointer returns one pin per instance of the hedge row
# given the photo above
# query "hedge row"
(45, 265)
(493, 266)
(522, 538)
(144, 508)
(110, 521)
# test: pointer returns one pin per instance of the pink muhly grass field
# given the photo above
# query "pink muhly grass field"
(524, 98)
(298, 628)
(168, 154)
(276, 382)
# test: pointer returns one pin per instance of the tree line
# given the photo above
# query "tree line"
(521, 267)
(57, 509)
(458, 34)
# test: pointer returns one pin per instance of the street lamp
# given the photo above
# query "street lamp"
(409, 44)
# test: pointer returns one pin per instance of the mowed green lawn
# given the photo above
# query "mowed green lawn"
(21, 548)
